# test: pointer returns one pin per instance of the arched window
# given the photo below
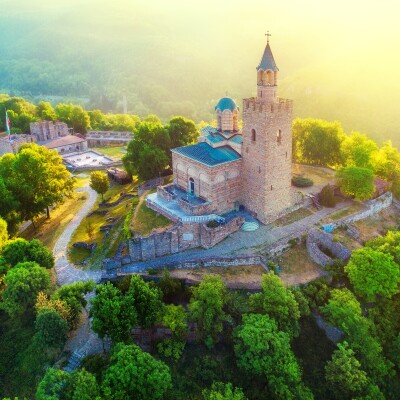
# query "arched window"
(279, 136)
(191, 186)
(219, 122)
(253, 135)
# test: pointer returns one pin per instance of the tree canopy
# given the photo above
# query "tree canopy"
(357, 182)
(99, 182)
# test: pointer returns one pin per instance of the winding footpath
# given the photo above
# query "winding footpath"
(66, 273)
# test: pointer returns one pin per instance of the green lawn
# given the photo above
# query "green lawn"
(112, 151)
(146, 220)
(293, 217)
(354, 208)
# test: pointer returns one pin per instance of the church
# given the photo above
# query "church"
(232, 169)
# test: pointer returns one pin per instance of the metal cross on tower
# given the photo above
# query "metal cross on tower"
(268, 36)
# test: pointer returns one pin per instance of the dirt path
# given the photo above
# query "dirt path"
(65, 272)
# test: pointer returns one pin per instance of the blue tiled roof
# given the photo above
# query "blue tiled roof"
(226, 103)
(205, 154)
(216, 138)
(208, 130)
(236, 139)
(267, 61)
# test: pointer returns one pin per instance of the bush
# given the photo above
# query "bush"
(302, 181)
(212, 224)
(327, 196)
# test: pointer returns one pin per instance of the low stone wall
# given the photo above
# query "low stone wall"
(179, 238)
(199, 209)
(112, 267)
(316, 239)
(165, 194)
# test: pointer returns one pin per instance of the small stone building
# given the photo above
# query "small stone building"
(14, 142)
(47, 130)
(66, 144)
(232, 169)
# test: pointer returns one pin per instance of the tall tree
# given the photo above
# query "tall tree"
(357, 182)
(75, 116)
(207, 308)
(262, 349)
(3, 233)
(278, 302)
(52, 386)
(222, 391)
(23, 283)
(135, 374)
(373, 273)
(45, 111)
(182, 132)
(114, 315)
(358, 150)
(51, 328)
(99, 183)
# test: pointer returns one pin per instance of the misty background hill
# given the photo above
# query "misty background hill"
(338, 61)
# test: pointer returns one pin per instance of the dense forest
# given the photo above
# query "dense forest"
(163, 60)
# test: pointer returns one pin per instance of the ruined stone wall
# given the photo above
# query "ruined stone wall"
(45, 130)
(7, 146)
(211, 236)
(220, 185)
(105, 138)
(266, 168)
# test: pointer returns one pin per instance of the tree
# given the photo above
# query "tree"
(75, 116)
(317, 142)
(344, 373)
(222, 391)
(3, 233)
(21, 250)
(182, 132)
(83, 386)
(262, 349)
(23, 283)
(146, 300)
(373, 273)
(135, 374)
(73, 297)
(388, 244)
(327, 196)
(51, 328)
(99, 182)
(45, 111)
(207, 308)
(358, 150)
(52, 385)
(9, 206)
(278, 302)
(357, 182)
(114, 315)
(174, 317)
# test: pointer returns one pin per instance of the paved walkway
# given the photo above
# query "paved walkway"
(242, 242)
(65, 272)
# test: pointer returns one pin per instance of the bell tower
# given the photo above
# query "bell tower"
(267, 145)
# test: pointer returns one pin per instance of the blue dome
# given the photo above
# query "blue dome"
(226, 103)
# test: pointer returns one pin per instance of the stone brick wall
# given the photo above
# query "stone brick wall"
(105, 138)
(266, 169)
(200, 209)
(45, 130)
(179, 238)
(220, 185)
(12, 146)
(317, 238)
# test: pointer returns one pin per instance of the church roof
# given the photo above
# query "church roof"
(267, 61)
(215, 138)
(210, 156)
(226, 103)
(236, 139)
(208, 130)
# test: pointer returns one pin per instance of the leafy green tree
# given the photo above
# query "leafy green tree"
(146, 300)
(174, 317)
(182, 132)
(135, 374)
(114, 315)
(262, 349)
(21, 250)
(98, 120)
(278, 302)
(9, 206)
(388, 244)
(207, 308)
(99, 183)
(358, 150)
(73, 296)
(83, 386)
(75, 116)
(344, 373)
(223, 391)
(45, 111)
(327, 196)
(373, 273)
(3, 232)
(344, 311)
(51, 328)
(357, 182)
(52, 385)
(317, 142)
(23, 283)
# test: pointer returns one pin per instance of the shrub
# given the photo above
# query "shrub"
(302, 181)
(212, 224)
(327, 196)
